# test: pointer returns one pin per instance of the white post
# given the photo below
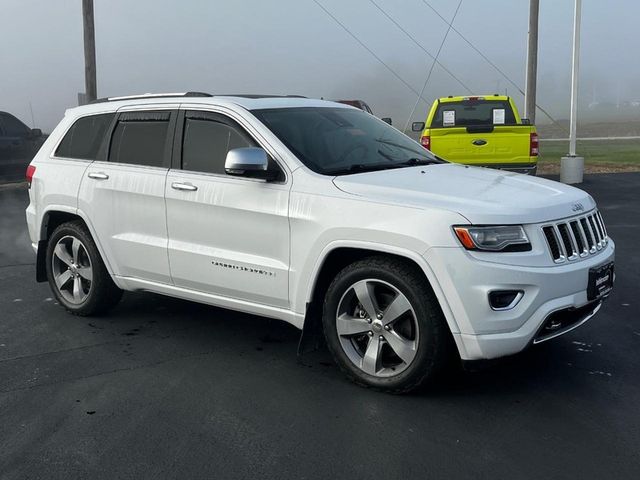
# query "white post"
(572, 166)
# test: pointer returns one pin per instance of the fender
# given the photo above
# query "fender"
(79, 213)
(382, 248)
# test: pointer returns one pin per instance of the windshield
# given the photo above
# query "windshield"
(468, 113)
(340, 141)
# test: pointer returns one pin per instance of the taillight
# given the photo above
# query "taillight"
(533, 145)
(31, 170)
(425, 141)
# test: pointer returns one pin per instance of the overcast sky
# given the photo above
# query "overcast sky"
(292, 46)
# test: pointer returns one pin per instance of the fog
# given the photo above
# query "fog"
(294, 47)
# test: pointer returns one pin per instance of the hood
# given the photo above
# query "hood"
(482, 195)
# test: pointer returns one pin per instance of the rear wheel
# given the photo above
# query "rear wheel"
(76, 273)
(384, 326)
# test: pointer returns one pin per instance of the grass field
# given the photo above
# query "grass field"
(601, 156)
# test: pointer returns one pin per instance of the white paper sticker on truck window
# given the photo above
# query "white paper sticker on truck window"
(448, 118)
(498, 116)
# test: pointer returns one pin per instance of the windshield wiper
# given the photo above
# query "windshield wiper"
(421, 161)
(359, 168)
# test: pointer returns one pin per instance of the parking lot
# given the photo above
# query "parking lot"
(163, 387)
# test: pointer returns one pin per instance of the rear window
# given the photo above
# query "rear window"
(473, 113)
(140, 139)
(84, 138)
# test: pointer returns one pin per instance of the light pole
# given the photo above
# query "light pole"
(572, 166)
(90, 88)
(532, 63)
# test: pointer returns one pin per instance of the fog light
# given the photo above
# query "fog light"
(504, 299)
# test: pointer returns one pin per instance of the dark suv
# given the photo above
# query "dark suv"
(18, 145)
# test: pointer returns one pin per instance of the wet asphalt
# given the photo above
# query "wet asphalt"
(164, 388)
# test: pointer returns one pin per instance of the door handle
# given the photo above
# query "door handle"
(184, 186)
(98, 176)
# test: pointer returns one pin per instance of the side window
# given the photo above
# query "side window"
(206, 142)
(84, 138)
(140, 138)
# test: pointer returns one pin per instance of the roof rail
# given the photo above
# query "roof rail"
(253, 95)
(152, 95)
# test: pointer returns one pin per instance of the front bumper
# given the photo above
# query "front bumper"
(483, 333)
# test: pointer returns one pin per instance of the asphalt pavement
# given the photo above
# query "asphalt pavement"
(164, 388)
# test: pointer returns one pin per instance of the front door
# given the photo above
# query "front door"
(228, 236)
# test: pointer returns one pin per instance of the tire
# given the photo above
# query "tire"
(76, 273)
(397, 353)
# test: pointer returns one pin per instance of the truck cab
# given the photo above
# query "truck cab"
(480, 130)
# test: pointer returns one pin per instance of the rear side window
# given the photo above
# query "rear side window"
(473, 113)
(206, 143)
(140, 138)
(84, 138)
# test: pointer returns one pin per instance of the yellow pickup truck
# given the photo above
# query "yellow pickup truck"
(484, 131)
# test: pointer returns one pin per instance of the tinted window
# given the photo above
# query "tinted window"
(84, 138)
(206, 143)
(472, 113)
(140, 138)
(338, 141)
(12, 126)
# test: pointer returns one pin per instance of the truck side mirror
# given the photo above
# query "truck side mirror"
(417, 126)
(526, 121)
(387, 120)
(35, 133)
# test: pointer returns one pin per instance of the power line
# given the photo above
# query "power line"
(419, 45)
(433, 64)
(368, 49)
(547, 114)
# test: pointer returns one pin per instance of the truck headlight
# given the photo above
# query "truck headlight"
(493, 238)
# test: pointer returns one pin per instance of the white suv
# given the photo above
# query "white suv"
(320, 215)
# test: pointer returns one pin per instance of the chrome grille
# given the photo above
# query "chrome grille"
(577, 237)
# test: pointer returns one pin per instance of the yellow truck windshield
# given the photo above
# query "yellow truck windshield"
(472, 113)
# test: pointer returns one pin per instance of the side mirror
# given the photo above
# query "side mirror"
(36, 132)
(249, 162)
(526, 121)
(417, 126)
(387, 120)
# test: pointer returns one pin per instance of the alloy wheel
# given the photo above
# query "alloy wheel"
(377, 328)
(71, 268)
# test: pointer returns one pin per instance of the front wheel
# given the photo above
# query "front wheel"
(384, 325)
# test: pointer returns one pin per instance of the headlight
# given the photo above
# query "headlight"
(507, 238)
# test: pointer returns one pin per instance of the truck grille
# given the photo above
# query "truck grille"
(576, 238)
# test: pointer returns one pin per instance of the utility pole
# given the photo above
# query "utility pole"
(572, 166)
(89, 51)
(532, 62)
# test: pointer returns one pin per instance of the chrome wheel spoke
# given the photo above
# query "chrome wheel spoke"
(403, 348)
(364, 293)
(347, 325)
(62, 278)
(371, 359)
(78, 293)
(86, 272)
(75, 247)
(398, 307)
(61, 253)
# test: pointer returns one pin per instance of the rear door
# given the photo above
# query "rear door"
(479, 132)
(228, 235)
(123, 195)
